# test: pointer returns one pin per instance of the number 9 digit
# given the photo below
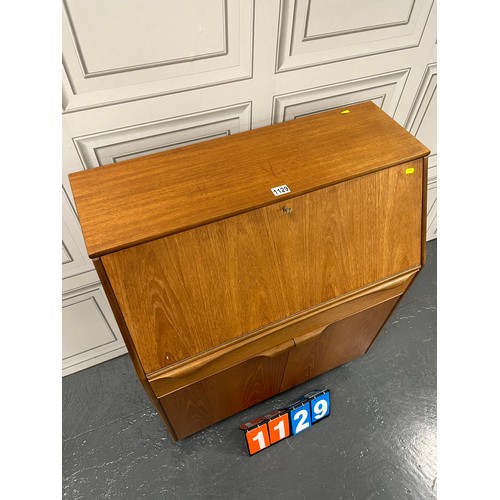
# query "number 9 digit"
(320, 409)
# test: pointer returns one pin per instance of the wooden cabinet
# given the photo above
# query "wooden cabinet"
(227, 294)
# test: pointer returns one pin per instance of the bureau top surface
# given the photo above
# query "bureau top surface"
(132, 202)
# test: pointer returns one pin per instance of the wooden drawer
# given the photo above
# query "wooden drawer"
(193, 291)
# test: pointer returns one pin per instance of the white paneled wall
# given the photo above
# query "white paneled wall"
(142, 77)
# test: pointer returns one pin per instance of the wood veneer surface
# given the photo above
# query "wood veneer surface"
(214, 398)
(195, 290)
(139, 200)
(338, 344)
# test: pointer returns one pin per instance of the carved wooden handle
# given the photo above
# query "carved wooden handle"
(309, 337)
(276, 351)
(393, 283)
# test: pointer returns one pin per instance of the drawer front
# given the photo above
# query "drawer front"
(193, 291)
(338, 344)
(217, 397)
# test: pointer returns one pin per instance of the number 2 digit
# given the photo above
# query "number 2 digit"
(303, 423)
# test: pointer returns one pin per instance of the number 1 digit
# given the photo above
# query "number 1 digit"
(260, 438)
(281, 429)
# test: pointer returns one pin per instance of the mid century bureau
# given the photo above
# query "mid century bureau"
(240, 267)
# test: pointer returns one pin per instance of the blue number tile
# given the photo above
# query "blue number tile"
(320, 406)
(300, 417)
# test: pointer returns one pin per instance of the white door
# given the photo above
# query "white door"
(141, 77)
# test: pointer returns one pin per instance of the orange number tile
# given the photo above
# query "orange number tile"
(257, 439)
(279, 428)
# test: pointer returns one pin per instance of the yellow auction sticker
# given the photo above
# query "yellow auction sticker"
(410, 170)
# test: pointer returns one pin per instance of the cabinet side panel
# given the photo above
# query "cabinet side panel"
(130, 345)
(425, 172)
(193, 291)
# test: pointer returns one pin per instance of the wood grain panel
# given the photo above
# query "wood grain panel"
(241, 273)
(229, 392)
(151, 197)
(338, 344)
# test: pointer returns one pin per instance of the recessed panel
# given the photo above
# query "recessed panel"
(427, 130)
(332, 17)
(383, 90)
(74, 256)
(128, 50)
(148, 138)
(90, 333)
(313, 32)
(422, 120)
(84, 325)
(422, 123)
(66, 256)
(121, 36)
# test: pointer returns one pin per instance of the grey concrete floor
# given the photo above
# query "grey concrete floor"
(378, 442)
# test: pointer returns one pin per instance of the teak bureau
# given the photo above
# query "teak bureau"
(228, 292)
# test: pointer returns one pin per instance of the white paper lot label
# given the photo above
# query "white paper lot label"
(278, 191)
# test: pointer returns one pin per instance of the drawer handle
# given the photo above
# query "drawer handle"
(276, 351)
(309, 337)
(393, 283)
(287, 210)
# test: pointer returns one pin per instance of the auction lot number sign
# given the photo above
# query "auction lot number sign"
(265, 431)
